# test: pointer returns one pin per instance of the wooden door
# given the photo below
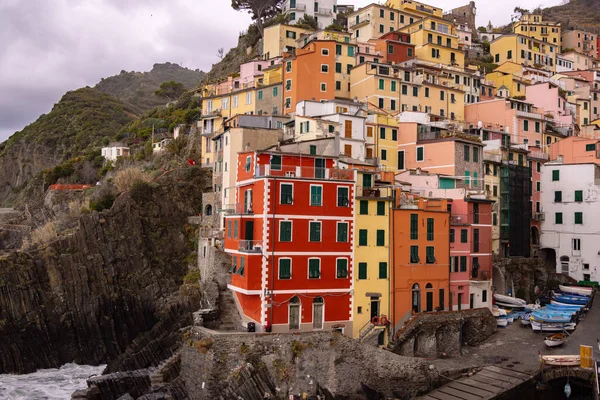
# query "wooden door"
(294, 316)
(348, 150)
(348, 129)
(318, 316)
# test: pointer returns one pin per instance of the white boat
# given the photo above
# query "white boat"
(515, 302)
(583, 291)
(501, 311)
(574, 306)
(510, 318)
(561, 361)
(501, 322)
(555, 340)
(525, 322)
(552, 326)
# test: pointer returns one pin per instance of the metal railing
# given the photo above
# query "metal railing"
(324, 11)
(373, 192)
(301, 7)
(238, 208)
(251, 246)
(435, 135)
(295, 171)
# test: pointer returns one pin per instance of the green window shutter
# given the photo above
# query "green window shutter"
(342, 232)
(381, 208)
(382, 133)
(537, 126)
(381, 84)
(463, 236)
(338, 49)
(430, 229)
(382, 270)
(430, 257)
(467, 152)
(314, 268)
(285, 268)
(343, 200)
(338, 68)
(364, 207)
(286, 194)
(579, 195)
(275, 92)
(558, 218)
(526, 125)
(260, 94)
(579, 218)
(420, 156)
(467, 178)
(380, 237)
(475, 181)
(414, 255)
(414, 226)
(367, 180)
(315, 231)
(404, 89)
(475, 154)
(590, 147)
(362, 270)
(350, 51)
(393, 86)
(362, 237)
(316, 195)
(446, 183)
(451, 235)
(285, 233)
(555, 175)
(342, 268)
(233, 268)
(463, 264)
(557, 196)
(235, 229)
(229, 230)
(394, 134)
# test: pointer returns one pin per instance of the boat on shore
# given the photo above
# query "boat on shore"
(576, 290)
(550, 317)
(574, 300)
(538, 326)
(574, 306)
(509, 301)
(555, 340)
(501, 322)
(561, 361)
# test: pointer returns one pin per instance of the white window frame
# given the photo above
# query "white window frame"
(321, 87)
(347, 267)
(337, 193)
(576, 244)
(248, 165)
(234, 102)
(225, 103)
(320, 231)
(308, 268)
(248, 97)
(310, 196)
(347, 231)
(326, 67)
(324, 52)
(291, 231)
(209, 106)
(290, 184)
(286, 82)
(279, 266)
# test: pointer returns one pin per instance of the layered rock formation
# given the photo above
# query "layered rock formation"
(108, 292)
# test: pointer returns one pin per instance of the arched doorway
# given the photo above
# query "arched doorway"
(318, 314)
(429, 297)
(294, 313)
(208, 210)
(416, 298)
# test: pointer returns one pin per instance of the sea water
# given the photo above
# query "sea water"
(47, 384)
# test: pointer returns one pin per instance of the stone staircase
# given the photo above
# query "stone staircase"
(229, 316)
(166, 371)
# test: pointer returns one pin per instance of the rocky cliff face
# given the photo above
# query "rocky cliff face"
(108, 292)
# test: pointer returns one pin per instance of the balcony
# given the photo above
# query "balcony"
(374, 192)
(298, 7)
(538, 154)
(250, 246)
(294, 172)
(238, 209)
(324, 11)
(427, 135)
(363, 19)
(529, 115)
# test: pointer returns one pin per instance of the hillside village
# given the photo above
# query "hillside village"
(381, 165)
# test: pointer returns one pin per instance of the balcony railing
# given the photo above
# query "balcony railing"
(436, 135)
(324, 11)
(238, 208)
(294, 171)
(541, 155)
(362, 19)
(373, 192)
(251, 246)
(300, 7)
(529, 115)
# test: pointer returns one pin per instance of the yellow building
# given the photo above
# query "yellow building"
(435, 41)
(385, 87)
(375, 20)
(415, 7)
(524, 50)
(513, 84)
(279, 39)
(371, 258)
(533, 25)
(382, 140)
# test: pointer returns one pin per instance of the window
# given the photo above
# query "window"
(525, 125)
(420, 154)
(313, 148)
(248, 163)
(555, 175)
(235, 229)
(380, 238)
(463, 264)
(558, 218)
(509, 54)
(342, 268)
(579, 195)
(590, 147)
(414, 226)
(324, 52)
(275, 91)
(381, 208)
(467, 153)
(558, 196)
(463, 236)
(362, 237)
(414, 255)
(323, 87)
(384, 155)
(429, 255)
(362, 270)
(342, 197)
(393, 86)
(314, 231)
(394, 134)
(404, 89)
(390, 49)
(494, 219)
(316, 195)
(475, 154)
(285, 231)
(451, 235)
(275, 163)
(382, 133)
(285, 268)
(442, 93)
(401, 160)
(475, 240)
(577, 244)
(393, 105)
(415, 91)
(350, 53)
(241, 270)
(381, 104)
(426, 92)
(229, 230)
(538, 186)
(381, 84)
(537, 126)
(342, 232)
(260, 95)
(430, 229)
(338, 49)
(578, 218)
(364, 207)
(409, 52)
(314, 268)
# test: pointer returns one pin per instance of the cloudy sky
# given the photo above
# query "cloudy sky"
(48, 47)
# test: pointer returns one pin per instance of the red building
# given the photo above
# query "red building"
(395, 47)
(290, 238)
(470, 253)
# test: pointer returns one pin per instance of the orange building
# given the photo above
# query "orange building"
(318, 71)
(420, 254)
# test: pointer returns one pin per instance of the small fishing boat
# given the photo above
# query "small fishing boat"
(501, 311)
(511, 301)
(561, 361)
(555, 340)
(566, 310)
(525, 319)
(577, 300)
(549, 317)
(501, 322)
(538, 326)
(574, 306)
(585, 291)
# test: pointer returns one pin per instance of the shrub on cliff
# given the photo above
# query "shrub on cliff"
(104, 202)
(41, 236)
(141, 191)
(125, 178)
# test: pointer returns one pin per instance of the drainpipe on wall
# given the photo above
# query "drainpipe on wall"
(274, 197)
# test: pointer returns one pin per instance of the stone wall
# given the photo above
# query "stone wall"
(252, 366)
(442, 334)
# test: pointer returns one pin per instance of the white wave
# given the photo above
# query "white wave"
(47, 384)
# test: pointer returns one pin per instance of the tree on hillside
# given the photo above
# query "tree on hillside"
(308, 22)
(170, 90)
(261, 10)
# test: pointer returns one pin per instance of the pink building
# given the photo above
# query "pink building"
(576, 150)
(547, 96)
(253, 69)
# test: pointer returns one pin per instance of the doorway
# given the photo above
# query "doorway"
(429, 297)
(460, 297)
(416, 298)
(374, 307)
(318, 304)
(471, 301)
(319, 168)
(294, 314)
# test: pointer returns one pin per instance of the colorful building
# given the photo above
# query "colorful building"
(280, 39)
(420, 255)
(435, 41)
(524, 50)
(323, 11)
(394, 47)
(415, 7)
(290, 236)
(580, 41)
(534, 26)
(375, 20)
